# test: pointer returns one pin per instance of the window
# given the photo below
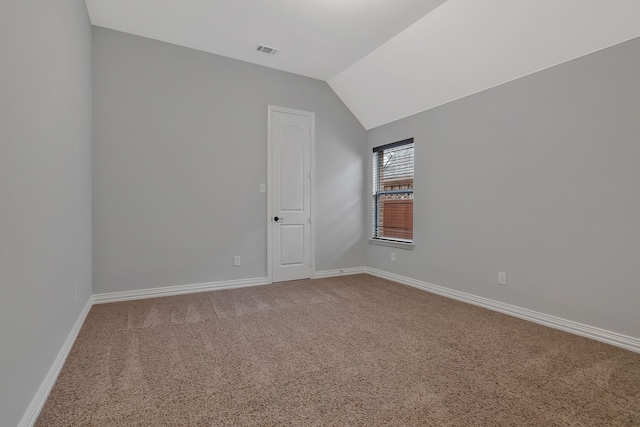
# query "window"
(393, 191)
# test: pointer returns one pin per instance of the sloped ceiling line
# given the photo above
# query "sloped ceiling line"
(386, 59)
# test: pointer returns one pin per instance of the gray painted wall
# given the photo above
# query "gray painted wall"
(539, 178)
(45, 189)
(180, 146)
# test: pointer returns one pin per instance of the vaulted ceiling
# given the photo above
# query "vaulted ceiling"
(316, 38)
(386, 59)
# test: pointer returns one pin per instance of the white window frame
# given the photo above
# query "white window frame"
(377, 193)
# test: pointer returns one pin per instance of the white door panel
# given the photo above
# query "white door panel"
(290, 144)
(292, 151)
(292, 239)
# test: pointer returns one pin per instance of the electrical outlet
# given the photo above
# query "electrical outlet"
(75, 292)
(502, 278)
(393, 256)
(262, 188)
(236, 261)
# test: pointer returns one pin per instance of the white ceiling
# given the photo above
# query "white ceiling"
(317, 38)
(466, 46)
(386, 59)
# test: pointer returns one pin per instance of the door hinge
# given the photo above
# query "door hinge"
(310, 220)
(309, 176)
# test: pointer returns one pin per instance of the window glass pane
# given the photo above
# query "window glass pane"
(393, 191)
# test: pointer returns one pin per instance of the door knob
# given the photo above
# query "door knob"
(276, 219)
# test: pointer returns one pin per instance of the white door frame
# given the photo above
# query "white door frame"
(312, 240)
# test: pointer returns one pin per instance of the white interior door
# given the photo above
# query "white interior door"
(291, 135)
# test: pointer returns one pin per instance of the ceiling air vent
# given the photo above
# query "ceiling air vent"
(267, 49)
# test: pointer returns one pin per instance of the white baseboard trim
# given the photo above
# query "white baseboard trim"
(339, 272)
(613, 338)
(33, 410)
(177, 290)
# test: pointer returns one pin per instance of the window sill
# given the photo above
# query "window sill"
(392, 243)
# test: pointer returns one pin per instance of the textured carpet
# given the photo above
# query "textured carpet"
(353, 350)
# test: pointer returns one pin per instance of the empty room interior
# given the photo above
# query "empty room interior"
(336, 212)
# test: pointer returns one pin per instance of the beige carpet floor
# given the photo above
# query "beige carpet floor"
(354, 350)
